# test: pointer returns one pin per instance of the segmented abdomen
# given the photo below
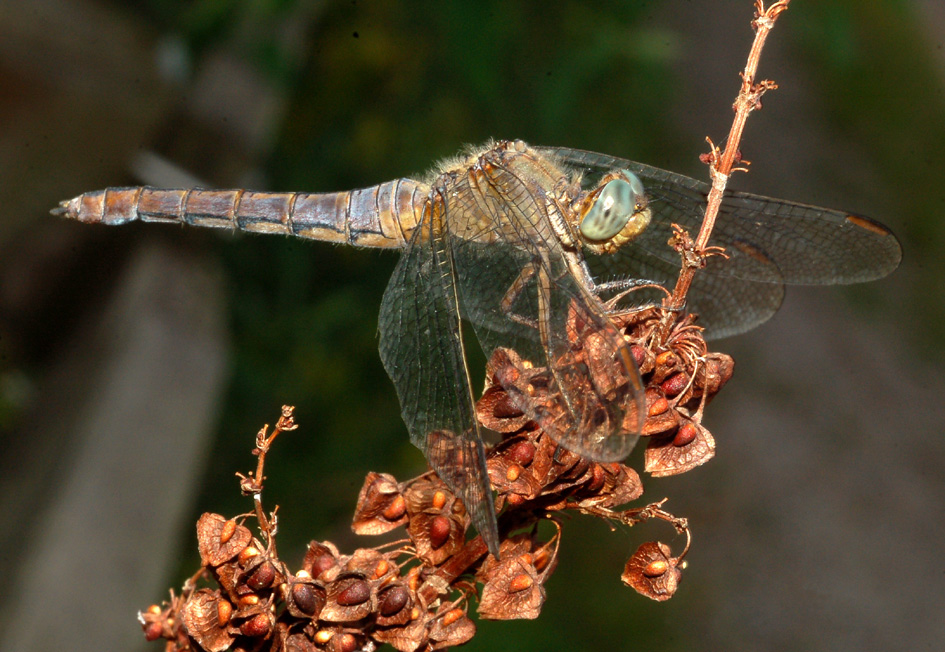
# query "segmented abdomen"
(380, 216)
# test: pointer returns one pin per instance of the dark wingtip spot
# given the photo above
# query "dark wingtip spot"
(868, 224)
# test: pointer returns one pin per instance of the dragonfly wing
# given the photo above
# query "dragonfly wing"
(768, 241)
(421, 348)
(725, 305)
(598, 416)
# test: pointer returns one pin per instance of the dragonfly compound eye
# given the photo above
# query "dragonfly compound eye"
(613, 207)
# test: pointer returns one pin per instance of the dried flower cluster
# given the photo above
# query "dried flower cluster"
(414, 594)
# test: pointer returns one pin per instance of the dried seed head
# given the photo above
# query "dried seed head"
(349, 598)
(451, 627)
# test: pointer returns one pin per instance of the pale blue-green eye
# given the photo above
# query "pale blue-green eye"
(612, 209)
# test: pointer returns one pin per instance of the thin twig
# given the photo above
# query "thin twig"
(721, 163)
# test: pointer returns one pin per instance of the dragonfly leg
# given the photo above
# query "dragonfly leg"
(514, 292)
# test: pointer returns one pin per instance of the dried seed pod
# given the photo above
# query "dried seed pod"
(652, 571)
(305, 598)
(262, 577)
(657, 407)
(258, 626)
(322, 561)
(393, 600)
(247, 555)
(439, 531)
(219, 542)
(719, 369)
(381, 506)
(451, 627)
(520, 583)
(296, 642)
(224, 611)
(411, 635)
(656, 568)
(513, 586)
(685, 434)
(228, 575)
(350, 598)
(343, 642)
(638, 353)
(355, 592)
(522, 452)
(153, 631)
(396, 509)
(201, 621)
(675, 384)
(671, 455)
(248, 600)
(436, 532)
(229, 528)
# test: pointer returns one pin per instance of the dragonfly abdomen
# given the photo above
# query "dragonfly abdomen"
(380, 216)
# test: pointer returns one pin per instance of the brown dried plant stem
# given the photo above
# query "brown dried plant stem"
(721, 164)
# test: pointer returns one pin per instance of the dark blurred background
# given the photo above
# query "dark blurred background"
(137, 363)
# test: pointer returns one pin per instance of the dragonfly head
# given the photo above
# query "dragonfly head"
(615, 212)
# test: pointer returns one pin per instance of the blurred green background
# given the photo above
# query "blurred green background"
(817, 526)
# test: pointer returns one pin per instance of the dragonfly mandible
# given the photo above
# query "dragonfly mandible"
(514, 238)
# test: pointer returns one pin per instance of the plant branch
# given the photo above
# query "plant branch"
(722, 164)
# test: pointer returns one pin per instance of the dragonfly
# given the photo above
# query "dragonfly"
(515, 240)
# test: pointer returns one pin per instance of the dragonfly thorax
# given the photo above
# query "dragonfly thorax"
(614, 213)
